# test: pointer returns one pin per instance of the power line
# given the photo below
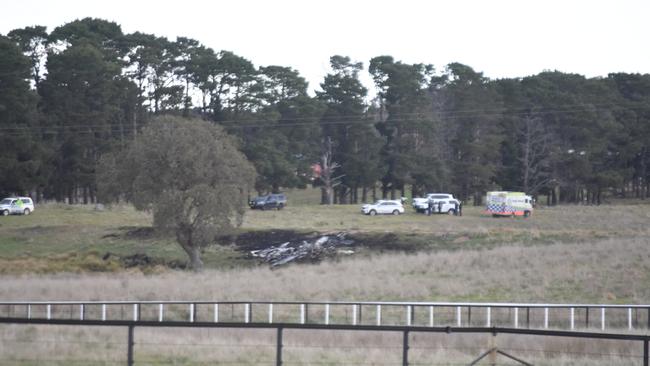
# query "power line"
(314, 121)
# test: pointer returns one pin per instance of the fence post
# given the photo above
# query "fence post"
(405, 349)
(278, 351)
(545, 318)
(516, 317)
(129, 354)
(327, 314)
(302, 313)
(378, 314)
(629, 318)
(408, 315)
(646, 357)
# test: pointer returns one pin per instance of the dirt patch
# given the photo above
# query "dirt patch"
(143, 261)
(133, 232)
(262, 239)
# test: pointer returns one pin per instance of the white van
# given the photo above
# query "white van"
(509, 204)
(16, 206)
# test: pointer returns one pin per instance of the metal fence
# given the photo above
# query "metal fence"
(633, 318)
(280, 327)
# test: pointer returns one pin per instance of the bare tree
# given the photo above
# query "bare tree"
(327, 173)
(534, 143)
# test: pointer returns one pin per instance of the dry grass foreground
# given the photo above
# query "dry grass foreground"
(61, 345)
(607, 271)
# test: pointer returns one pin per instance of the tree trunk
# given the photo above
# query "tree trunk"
(643, 175)
(364, 194)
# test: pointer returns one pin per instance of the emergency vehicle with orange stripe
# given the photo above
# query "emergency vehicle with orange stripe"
(509, 204)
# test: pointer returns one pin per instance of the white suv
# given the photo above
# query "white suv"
(16, 206)
(383, 207)
(442, 203)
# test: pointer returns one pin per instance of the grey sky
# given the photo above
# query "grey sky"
(500, 38)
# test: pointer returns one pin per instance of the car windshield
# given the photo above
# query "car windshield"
(6, 201)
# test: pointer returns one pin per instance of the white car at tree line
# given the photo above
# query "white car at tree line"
(442, 203)
(386, 207)
(16, 206)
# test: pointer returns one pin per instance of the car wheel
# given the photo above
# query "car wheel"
(396, 212)
(5, 212)
(26, 212)
(526, 213)
(372, 213)
(451, 212)
(280, 207)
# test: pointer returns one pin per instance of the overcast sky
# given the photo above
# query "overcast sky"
(500, 38)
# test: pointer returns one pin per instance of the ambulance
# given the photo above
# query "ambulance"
(509, 204)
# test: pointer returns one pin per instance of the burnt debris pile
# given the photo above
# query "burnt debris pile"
(305, 249)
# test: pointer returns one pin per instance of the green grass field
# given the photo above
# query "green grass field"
(63, 238)
(571, 254)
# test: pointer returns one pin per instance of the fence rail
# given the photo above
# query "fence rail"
(633, 318)
(280, 327)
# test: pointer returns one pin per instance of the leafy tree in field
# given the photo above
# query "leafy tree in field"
(189, 173)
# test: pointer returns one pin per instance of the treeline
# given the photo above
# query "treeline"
(70, 95)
